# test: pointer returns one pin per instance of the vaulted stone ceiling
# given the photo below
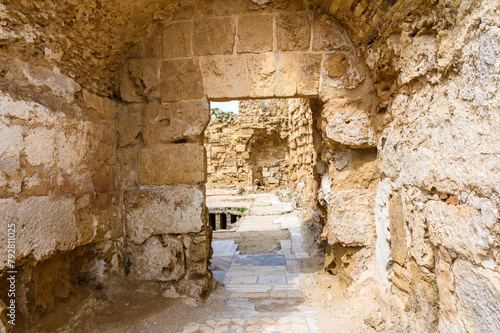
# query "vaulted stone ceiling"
(89, 40)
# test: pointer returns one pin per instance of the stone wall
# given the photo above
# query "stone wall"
(58, 185)
(437, 202)
(404, 137)
(249, 148)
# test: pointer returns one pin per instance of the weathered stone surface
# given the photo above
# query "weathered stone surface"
(309, 74)
(424, 312)
(287, 67)
(348, 125)
(293, 32)
(214, 36)
(214, 76)
(329, 35)
(167, 123)
(172, 210)
(127, 167)
(181, 80)
(398, 229)
(255, 34)
(159, 258)
(478, 292)
(350, 218)
(463, 229)
(140, 79)
(44, 225)
(236, 76)
(177, 40)
(129, 127)
(172, 164)
(261, 70)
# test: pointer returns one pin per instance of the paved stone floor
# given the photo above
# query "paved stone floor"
(264, 287)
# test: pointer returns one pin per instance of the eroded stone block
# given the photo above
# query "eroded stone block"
(293, 32)
(255, 34)
(351, 219)
(261, 70)
(140, 80)
(214, 36)
(463, 229)
(44, 225)
(172, 210)
(214, 76)
(478, 292)
(181, 80)
(159, 258)
(236, 76)
(397, 230)
(172, 164)
(309, 74)
(348, 124)
(177, 40)
(285, 83)
(329, 35)
(129, 127)
(166, 123)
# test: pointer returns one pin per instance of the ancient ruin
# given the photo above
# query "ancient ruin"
(384, 132)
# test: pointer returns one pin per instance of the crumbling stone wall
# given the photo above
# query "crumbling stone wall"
(57, 185)
(415, 87)
(438, 158)
(249, 148)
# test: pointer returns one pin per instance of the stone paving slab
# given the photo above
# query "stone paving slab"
(260, 260)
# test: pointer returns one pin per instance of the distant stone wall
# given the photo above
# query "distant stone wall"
(249, 148)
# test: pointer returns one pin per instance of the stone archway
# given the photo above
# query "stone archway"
(244, 55)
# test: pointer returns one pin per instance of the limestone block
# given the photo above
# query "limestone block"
(140, 79)
(172, 210)
(261, 70)
(208, 8)
(214, 76)
(104, 107)
(11, 145)
(285, 83)
(129, 127)
(236, 76)
(44, 225)
(177, 40)
(166, 123)
(449, 320)
(181, 80)
(240, 148)
(478, 292)
(348, 125)
(255, 34)
(198, 268)
(463, 229)
(309, 74)
(397, 229)
(424, 312)
(151, 43)
(127, 167)
(172, 164)
(351, 220)
(159, 258)
(329, 35)
(293, 32)
(214, 36)
(342, 70)
(40, 146)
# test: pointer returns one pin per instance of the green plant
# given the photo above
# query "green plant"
(242, 210)
(219, 112)
(243, 190)
(434, 286)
